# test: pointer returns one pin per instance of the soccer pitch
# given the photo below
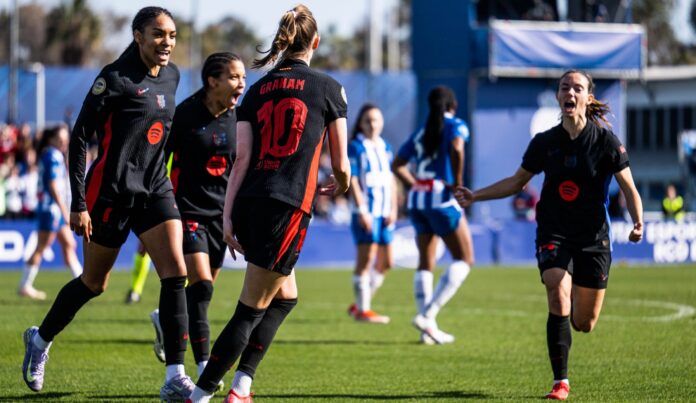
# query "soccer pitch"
(643, 349)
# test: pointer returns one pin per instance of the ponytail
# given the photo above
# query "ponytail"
(296, 31)
(440, 100)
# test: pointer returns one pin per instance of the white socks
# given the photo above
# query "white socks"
(28, 275)
(40, 343)
(422, 288)
(174, 370)
(75, 269)
(201, 367)
(450, 281)
(361, 289)
(241, 385)
(376, 281)
(200, 396)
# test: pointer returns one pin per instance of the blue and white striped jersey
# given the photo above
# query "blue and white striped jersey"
(51, 168)
(370, 161)
(433, 173)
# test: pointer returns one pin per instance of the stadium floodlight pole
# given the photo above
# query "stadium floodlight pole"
(375, 41)
(38, 69)
(14, 64)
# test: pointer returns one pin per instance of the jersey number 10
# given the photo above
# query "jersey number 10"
(273, 121)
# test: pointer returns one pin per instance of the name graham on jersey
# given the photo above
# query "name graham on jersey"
(284, 84)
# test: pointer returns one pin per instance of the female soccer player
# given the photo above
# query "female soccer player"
(280, 130)
(130, 106)
(578, 158)
(52, 211)
(438, 153)
(373, 189)
(203, 141)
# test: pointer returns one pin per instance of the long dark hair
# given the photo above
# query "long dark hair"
(215, 64)
(140, 21)
(296, 30)
(596, 110)
(47, 135)
(440, 100)
(363, 110)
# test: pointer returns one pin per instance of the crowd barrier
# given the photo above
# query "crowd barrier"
(331, 246)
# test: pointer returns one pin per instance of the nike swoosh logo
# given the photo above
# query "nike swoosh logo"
(141, 91)
(29, 376)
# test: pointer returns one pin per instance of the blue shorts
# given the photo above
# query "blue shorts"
(51, 219)
(381, 234)
(441, 221)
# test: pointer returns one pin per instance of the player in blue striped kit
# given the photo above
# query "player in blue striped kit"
(437, 150)
(52, 211)
(373, 189)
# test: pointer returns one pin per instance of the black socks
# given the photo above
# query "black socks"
(263, 335)
(558, 339)
(173, 318)
(70, 299)
(229, 345)
(198, 298)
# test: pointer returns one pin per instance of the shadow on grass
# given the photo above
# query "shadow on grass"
(120, 398)
(445, 394)
(113, 341)
(344, 342)
(34, 396)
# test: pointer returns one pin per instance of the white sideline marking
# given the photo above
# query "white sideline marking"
(681, 311)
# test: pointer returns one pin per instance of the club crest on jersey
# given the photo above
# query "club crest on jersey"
(161, 103)
(99, 86)
(219, 139)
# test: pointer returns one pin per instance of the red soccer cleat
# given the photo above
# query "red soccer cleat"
(235, 398)
(352, 310)
(559, 392)
(371, 317)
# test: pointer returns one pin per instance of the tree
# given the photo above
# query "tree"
(32, 33)
(663, 46)
(233, 35)
(73, 33)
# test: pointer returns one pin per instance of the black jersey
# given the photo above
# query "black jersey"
(289, 109)
(577, 173)
(131, 111)
(204, 151)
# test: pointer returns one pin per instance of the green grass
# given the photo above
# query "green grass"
(636, 353)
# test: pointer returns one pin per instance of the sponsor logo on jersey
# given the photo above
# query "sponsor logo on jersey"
(99, 86)
(161, 103)
(216, 166)
(155, 132)
(568, 191)
(141, 91)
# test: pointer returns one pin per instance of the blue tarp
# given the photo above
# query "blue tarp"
(532, 49)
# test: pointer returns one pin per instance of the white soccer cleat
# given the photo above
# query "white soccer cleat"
(429, 327)
(158, 346)
(32, 293)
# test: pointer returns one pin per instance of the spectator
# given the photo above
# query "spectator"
(540, 11)
(8, 142)
(524, 205)
(13, 192)
(673, 204)
(29, 178)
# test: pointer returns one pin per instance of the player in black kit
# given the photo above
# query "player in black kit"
(130, 106)
(280, 131)
(578, 158)
(202, 142)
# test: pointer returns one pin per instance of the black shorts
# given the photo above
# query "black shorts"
(111, 223)
(589, 266)
(204, 235)
(271, 232)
